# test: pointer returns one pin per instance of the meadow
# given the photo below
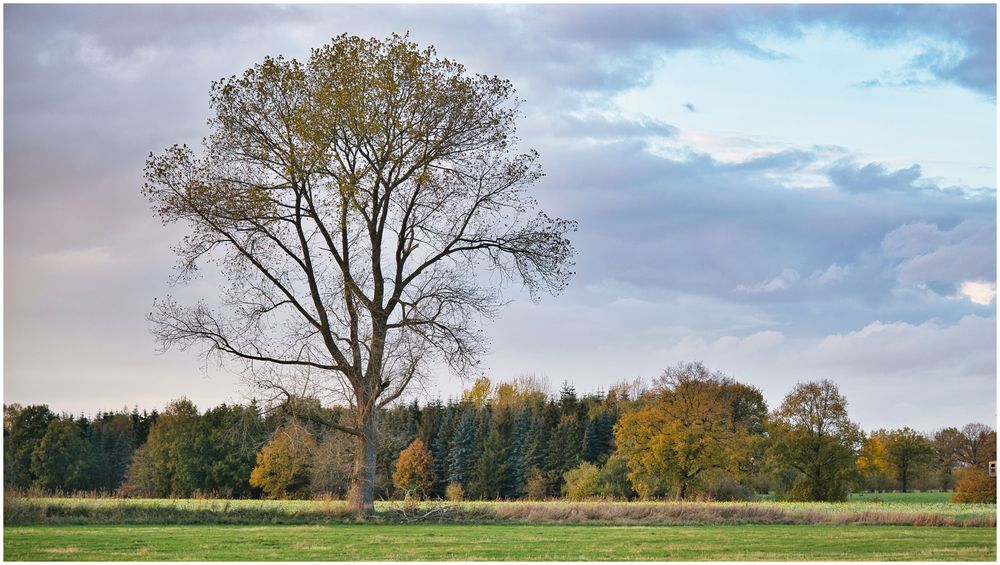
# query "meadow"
(500, 542)
(914, 526)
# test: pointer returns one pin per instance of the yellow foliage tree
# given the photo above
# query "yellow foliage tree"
(480, 392)
(284, 464)
(414, 469)
(682, 428)
(873, 462)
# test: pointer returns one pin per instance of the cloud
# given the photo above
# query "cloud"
(884, 348)
(688, 106)
(980, 292)
(127, 68)
(600, 127)
(785, 280)
(872, 178)
(849, 176)
(957, 43)
(944, 260)
(830, 275)
(75, 261)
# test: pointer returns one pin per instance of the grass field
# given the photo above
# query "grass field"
(883, 528)
(901, 497)
(523, 542)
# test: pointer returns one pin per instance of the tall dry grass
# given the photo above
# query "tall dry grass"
(694, 513)
(25, 510)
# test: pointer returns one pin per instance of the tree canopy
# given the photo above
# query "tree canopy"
(812, 434)
(353, 201)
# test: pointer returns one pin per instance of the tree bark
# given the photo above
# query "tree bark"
(362, 497)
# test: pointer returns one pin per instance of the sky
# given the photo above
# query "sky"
(785, 193)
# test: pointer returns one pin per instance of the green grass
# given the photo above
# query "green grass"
(902, 497)
(497, 542)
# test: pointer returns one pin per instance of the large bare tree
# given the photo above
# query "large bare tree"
(366, 208)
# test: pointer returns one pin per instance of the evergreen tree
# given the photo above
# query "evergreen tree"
(537, 444)
(430, 422)
(598, 437)
(516, 474)
(490, 475)
(112, 440)
(461, 453)
(441, 448)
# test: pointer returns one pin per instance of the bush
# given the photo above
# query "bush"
(537, 487)
(614, 481)
(332, 466)
(806, 490)
(582, 482)
(720, 485)
(454, 492)
(974, 485)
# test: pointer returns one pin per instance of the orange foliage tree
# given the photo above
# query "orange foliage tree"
(974, 485)
(414, 469)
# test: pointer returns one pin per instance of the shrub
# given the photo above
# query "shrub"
(720, 485)
(454, 492)
(808, 490)
(974, 485)
(582, 482)
(332, 465)
(536, 488)
(613, 479)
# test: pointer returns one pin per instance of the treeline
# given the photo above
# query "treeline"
(690, 434)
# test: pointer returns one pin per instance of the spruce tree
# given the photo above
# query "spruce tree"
(460, 455)
(516, 475)
(441, 448)
(490, 474)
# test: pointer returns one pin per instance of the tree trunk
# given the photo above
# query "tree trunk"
(362, 497)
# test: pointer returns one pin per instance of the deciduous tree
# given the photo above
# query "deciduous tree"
(873, 462)
(683, 428)
(908, 450)
(812, 434)
(285, 462)
(947, 448)
(353, 201)
(63, 459)
(414, 471)
(978, 446)
(24, 427)
(157, 468)
(974, 485)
